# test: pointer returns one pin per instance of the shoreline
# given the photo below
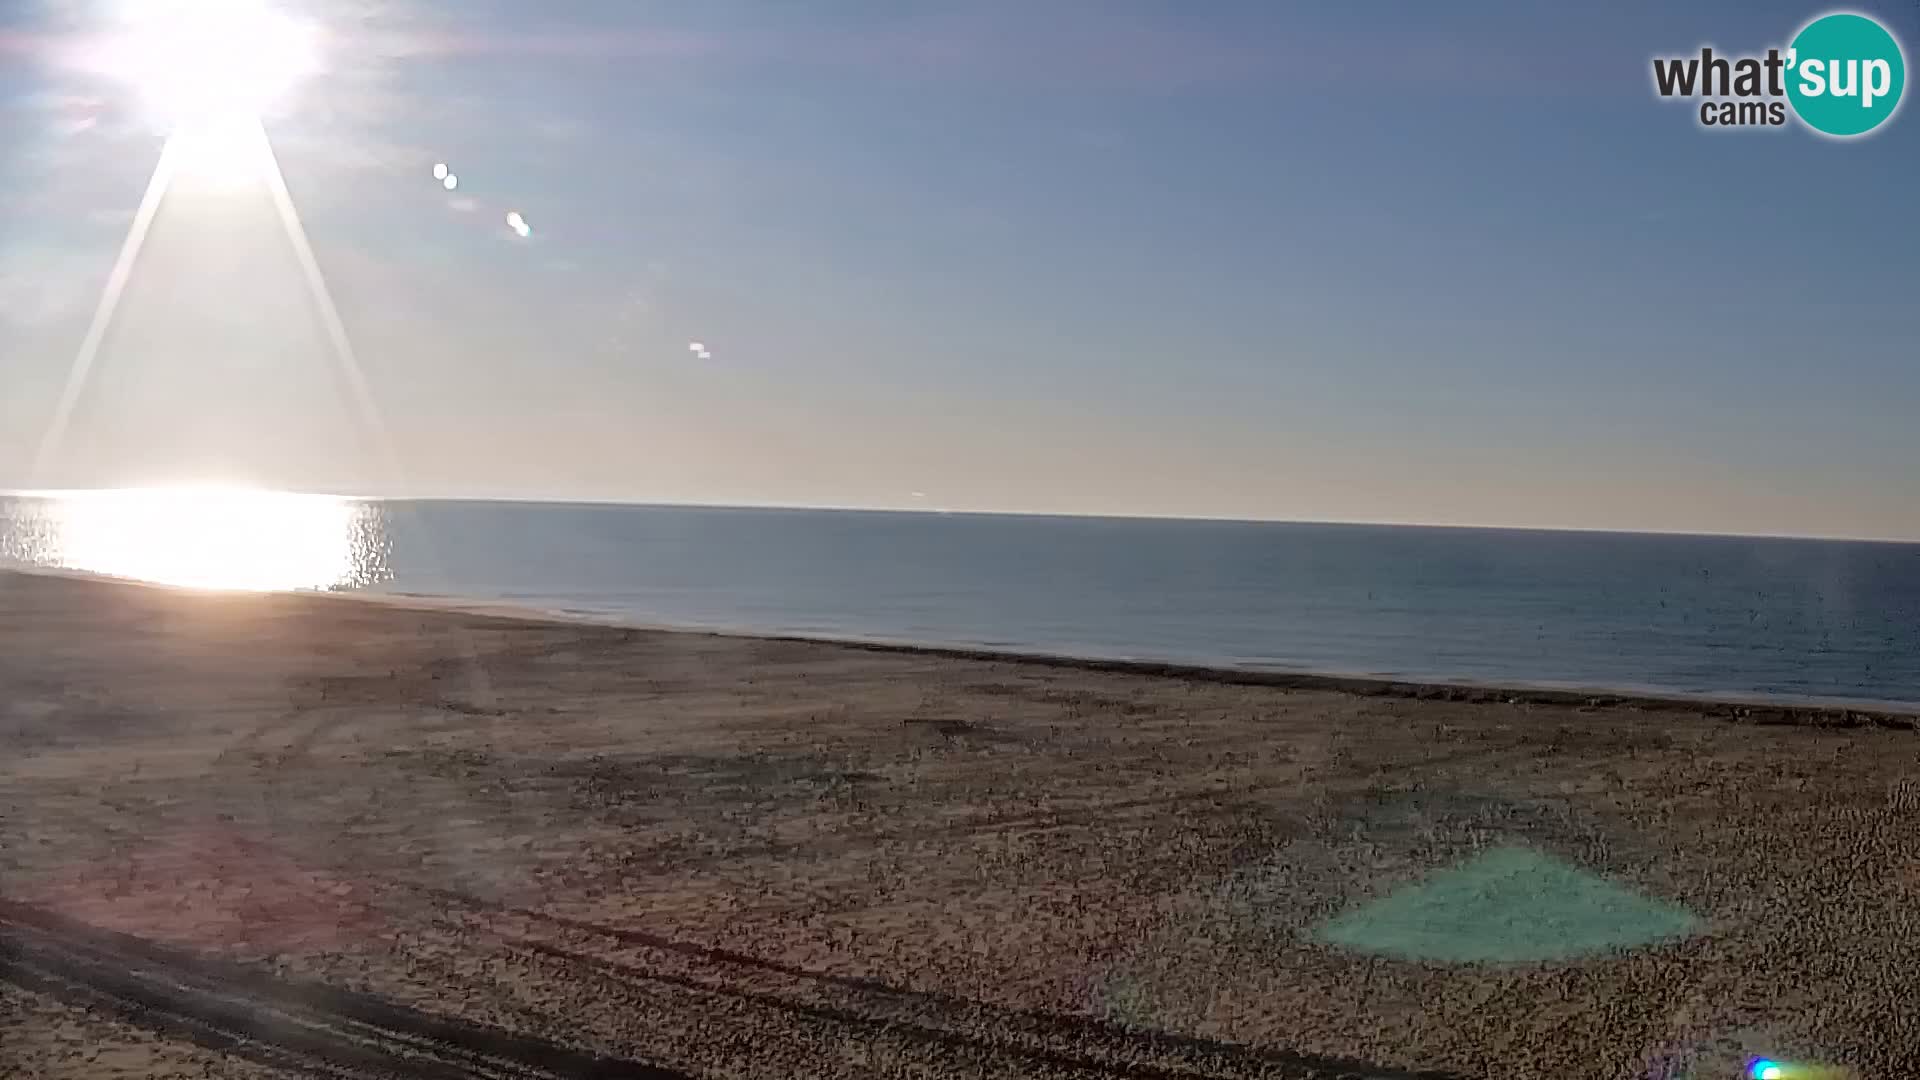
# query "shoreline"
(1764, 709)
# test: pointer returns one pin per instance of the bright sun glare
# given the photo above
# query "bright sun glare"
(209, 70)
(208, 538)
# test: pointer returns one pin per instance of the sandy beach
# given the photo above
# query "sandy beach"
(246, 835)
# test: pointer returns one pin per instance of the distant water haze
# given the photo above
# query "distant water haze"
(1694, 614)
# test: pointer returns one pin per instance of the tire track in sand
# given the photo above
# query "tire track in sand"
(318, 1030)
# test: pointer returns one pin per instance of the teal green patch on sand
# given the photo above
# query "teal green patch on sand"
(1507, 906)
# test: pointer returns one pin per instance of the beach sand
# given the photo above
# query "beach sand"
(250, 835)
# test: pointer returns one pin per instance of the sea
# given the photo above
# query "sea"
(1791, 619)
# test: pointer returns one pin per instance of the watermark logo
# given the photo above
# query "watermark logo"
(1842, 75)
(1850, 74)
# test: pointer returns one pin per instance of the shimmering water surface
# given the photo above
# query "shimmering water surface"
(211, 539)
(1801, 618)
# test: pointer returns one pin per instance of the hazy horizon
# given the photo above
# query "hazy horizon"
(547, 500)
(1096, 259)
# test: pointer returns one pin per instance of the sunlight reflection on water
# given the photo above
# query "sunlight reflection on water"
(200, 538)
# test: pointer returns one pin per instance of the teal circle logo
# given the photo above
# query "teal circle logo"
(1845, 74)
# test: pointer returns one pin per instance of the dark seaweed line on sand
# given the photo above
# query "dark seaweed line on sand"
(1755, 709)
(313, 1029)
(1758, 710)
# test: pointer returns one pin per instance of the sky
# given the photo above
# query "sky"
(1406, 262)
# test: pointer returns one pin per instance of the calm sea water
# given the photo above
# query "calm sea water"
(1798, 618)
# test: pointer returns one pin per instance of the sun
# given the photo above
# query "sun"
(208, 71)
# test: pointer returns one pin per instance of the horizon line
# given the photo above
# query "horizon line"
(544, 500)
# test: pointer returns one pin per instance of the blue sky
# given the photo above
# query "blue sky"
(1388, 262)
